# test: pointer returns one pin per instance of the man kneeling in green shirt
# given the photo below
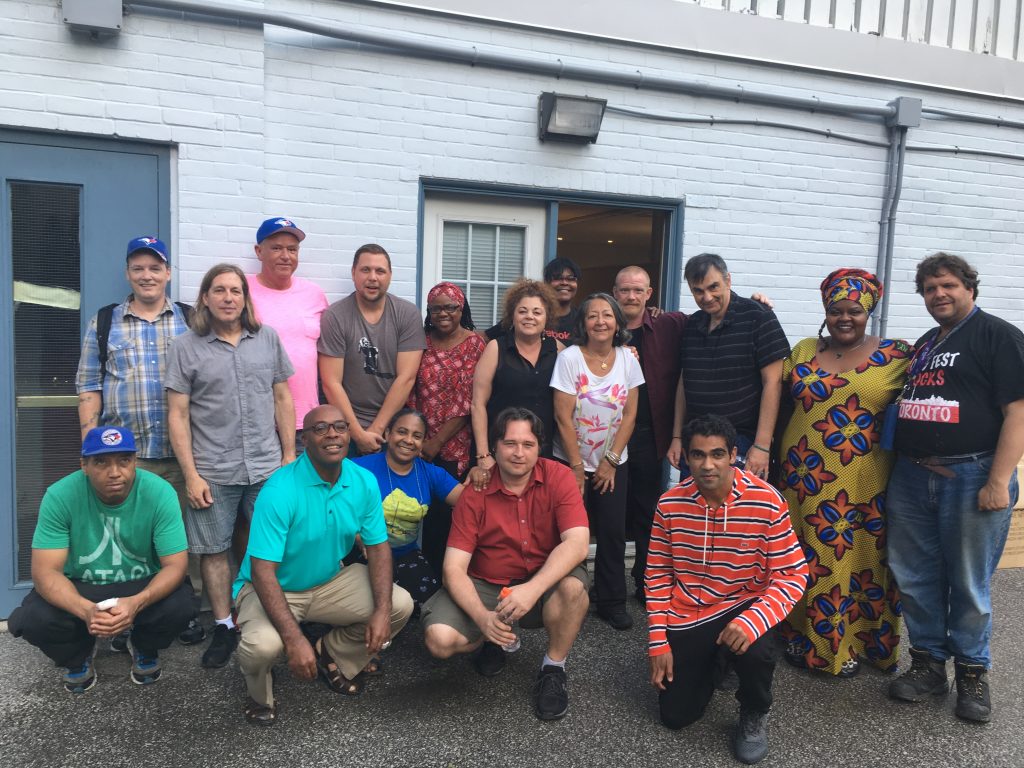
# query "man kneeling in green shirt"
(108, 554)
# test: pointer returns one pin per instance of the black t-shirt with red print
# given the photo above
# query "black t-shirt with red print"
(953, 401)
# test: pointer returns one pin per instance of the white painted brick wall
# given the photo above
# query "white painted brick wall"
(279, 122)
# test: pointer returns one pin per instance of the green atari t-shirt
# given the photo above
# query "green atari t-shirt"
(111, 544)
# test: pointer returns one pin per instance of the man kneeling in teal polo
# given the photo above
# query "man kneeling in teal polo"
(306, 520)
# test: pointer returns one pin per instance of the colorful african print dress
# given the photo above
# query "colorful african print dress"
(835, 474)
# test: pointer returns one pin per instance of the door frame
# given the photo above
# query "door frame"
(10, 584)
(672, 267)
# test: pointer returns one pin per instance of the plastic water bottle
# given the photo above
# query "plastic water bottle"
(514, 645)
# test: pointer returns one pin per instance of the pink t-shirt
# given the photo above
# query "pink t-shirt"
(295, 315)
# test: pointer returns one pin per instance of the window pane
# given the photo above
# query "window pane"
(455, 251)
(481, 301)
(45, 266)
(511, 253)
(482, 252)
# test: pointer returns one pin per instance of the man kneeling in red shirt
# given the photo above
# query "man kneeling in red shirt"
(724, 568)
(516, 557)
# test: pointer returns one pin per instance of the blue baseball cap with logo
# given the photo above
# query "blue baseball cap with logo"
(275, 225)
(108, 440)
(148, 243)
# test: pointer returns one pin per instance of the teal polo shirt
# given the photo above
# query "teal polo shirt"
(308, 526)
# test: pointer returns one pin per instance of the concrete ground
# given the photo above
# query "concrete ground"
(429, 713)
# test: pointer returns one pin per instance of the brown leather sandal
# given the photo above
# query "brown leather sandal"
(374, 667)
(259, 714)
(332, 676)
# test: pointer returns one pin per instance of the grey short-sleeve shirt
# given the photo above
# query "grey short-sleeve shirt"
(231, 402)
(370, 351)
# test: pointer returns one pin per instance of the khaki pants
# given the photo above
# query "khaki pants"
(345, 602)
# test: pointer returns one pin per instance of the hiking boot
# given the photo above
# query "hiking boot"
(550, 695)
(926, 677)
(80, 679)
(972, 695)
(193, 634)
(221, 646)
(750, 739)
(145, 665)
(490, 659)
(119, 643)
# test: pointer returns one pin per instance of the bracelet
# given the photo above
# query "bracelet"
(761, 448)
(677, 437)
(613, 458)
(482, 455)
(577, 464)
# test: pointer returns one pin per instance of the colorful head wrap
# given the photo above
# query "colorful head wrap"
(450, 291)
(854, 284)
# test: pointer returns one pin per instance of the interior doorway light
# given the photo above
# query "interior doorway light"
(575, 119)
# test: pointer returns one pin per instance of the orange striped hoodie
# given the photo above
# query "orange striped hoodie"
(703, 562)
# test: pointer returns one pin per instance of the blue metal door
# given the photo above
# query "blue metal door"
(67, 209)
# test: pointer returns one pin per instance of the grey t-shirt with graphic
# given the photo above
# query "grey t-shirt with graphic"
(370, 350)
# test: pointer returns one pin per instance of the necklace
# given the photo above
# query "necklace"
(603, 363)
(855, 346)
(393, 529)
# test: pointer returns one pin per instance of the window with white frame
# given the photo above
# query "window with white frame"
(483, 260)
(482, 246)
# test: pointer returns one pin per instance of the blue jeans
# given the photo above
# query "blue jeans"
(943, 551)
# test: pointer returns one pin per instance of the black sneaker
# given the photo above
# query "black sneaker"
(193, 634)
(750, 739)
(618, 617)
(119, 643)
(926, 677)
(221, 646)
(80, 679)
(489, 660)
(973, 701)
(550, 694)
(145, 665)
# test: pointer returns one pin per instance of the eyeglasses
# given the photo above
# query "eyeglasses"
(450, 309)
(321, 427)
(564, 279)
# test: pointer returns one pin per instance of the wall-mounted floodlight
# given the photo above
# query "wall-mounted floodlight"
(575, 119)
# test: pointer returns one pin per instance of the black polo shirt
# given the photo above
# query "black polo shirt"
(722, 369)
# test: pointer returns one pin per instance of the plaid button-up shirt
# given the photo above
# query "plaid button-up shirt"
(133, 387)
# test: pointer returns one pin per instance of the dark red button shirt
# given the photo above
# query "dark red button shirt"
(509, 536)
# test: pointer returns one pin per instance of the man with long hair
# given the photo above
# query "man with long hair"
(232, 424)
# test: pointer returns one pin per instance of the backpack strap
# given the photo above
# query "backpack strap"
(103, 320)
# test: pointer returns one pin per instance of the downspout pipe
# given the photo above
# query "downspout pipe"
(906, 115)
(890, 234)
(558, 69)
(884, 220)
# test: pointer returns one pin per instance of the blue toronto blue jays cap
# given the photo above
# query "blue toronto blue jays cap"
(108, 440)
(275, 225)
(152, 244)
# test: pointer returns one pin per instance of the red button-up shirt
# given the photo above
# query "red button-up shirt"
(509, 536)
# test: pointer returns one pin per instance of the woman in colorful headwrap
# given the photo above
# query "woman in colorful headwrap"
(834, 473)
(443, 393)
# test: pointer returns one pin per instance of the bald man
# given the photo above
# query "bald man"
(306, 519)
(657, 341)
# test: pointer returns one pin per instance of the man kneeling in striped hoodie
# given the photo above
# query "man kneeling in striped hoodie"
(724, 568)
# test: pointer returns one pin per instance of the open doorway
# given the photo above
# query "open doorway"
(603, 239)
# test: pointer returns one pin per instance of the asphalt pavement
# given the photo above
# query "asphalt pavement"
(424, 712)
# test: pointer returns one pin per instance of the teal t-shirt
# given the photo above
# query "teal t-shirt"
(406, 498)
(308, 526)
(108, 544)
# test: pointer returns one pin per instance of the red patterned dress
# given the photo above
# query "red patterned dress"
(834, 478)
(444, 390)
